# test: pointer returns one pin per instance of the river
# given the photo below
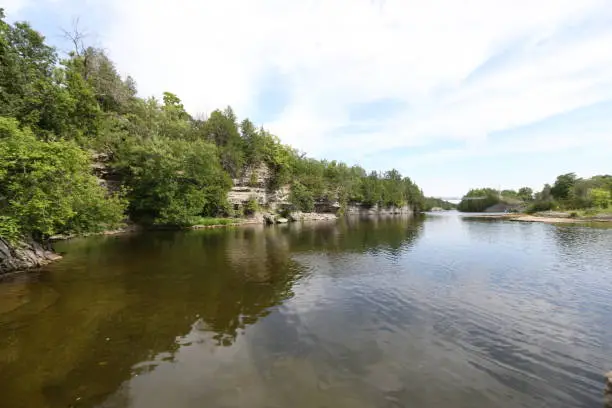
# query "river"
(436, 312)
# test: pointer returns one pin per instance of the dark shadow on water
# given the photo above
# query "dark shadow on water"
(75, 331)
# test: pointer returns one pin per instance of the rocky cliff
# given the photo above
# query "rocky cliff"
(23, 255)
(254, 185)
(357, 209)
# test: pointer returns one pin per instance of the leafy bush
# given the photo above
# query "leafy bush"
(600, 197)
(173, 180)
(251, 206)
(301, 198)
(205, 221)
(538, 206)
(9, 229)
(48, 187)
(478, 200)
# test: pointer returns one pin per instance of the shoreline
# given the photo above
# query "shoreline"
(28, 256)
(29, 259)
(543, 218)
(265, 219)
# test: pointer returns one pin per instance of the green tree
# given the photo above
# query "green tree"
(251, 206)
(600, 197)
(175, 167)
(111, 91)
(478, 200)
(48, 188)
(301, 198)
(171, 181)
(509, 194)
(221, 129)
(432, 202)
(27, 76)
(525, 194)
(563, 186)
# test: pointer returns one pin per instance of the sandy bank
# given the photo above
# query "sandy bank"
(543, 218)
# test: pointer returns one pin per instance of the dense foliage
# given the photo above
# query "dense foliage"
(47, 187)
(480, 199)
(57, 115)
(432, 202)
(568, 192)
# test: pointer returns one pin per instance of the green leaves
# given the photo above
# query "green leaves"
(563, 185)
(173, 180)
(301, 198)
(174, 168)
(600, 197)
(479, 199)
(47, 187)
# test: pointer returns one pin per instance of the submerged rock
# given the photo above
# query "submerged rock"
(23, 255)
(268, 218)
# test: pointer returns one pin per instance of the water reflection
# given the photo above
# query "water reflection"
(358, 313)
(74, 333)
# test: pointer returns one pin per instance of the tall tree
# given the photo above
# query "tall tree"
(563, 185)
(525, 194)
(27, 75)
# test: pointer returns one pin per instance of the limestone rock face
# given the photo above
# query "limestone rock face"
(357, 209)
(254, 185)
(301, 216)
(23, 255)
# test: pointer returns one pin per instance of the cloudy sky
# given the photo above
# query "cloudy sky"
(454, 94)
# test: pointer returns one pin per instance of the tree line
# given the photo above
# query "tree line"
(568, 192)
(432, 202)
(58, 114)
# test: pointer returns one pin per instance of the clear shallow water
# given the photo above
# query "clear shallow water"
(442, 312)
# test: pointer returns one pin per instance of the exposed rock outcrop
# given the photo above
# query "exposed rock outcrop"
(301, 216)
(23, 255)
(269, 218)
(104, 172)
(356, 209)
(254, 185)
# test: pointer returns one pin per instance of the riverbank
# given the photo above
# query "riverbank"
(547, 217)
(19, 256)
(25, 255)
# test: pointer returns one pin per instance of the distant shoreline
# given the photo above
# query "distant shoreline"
(544, 218)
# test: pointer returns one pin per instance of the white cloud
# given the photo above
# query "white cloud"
(337, 53)
(13, 7)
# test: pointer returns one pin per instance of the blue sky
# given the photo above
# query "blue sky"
(453, 94)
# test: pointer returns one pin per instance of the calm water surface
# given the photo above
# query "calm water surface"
(441, 312)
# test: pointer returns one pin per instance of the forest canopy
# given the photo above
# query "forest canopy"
(568, 192)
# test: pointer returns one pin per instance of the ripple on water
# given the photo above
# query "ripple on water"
(373, 313)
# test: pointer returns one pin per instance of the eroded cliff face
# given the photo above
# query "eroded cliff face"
(23, 255)
(357, 209)
(254, 185)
